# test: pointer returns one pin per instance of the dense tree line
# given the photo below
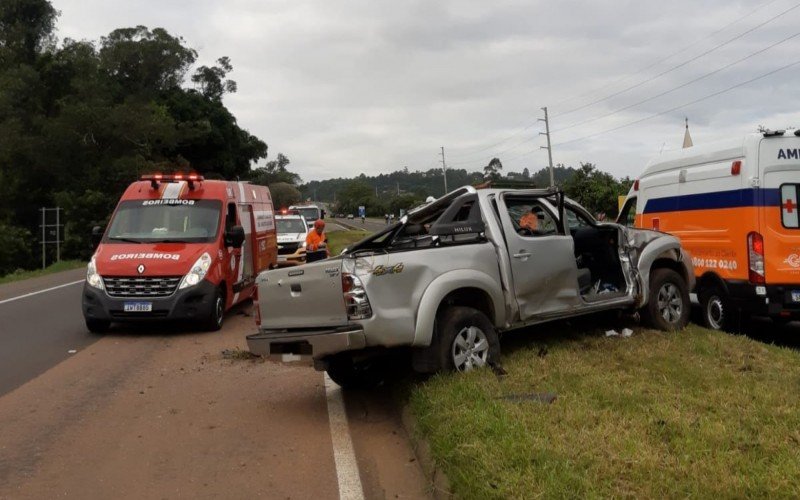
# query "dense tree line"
(403, 189)
(79, 120)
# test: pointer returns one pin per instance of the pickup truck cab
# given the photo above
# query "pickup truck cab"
(453, 273)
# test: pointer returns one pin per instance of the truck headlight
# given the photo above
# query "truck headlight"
(197, 272)
(94, 279)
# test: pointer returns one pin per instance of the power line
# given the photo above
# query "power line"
(673, 68)
(666, 58)
(709, 96)
(686, 84)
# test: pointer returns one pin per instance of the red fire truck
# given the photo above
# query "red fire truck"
(179, 247)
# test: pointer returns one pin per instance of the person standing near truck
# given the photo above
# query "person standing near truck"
(317, 242)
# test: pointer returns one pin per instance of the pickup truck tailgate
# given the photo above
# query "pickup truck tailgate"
(307, 296)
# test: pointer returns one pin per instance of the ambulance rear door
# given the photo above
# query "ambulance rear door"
(779, 164)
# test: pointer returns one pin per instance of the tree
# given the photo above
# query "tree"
(526, 174)
(274, 171)
(211, 80)
(492, 170)
(26, 29)
(595, 190)
(284, 195)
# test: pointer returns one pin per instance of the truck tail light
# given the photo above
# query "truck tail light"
(636, 185)
(355, 297)
(736, 167)
(755, 257)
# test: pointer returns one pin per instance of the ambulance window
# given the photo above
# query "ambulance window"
(627, 216)
(230, 218)
(789, 217)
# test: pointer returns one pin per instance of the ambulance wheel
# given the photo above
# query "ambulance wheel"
(217, 314)
(668, 305)
(718, 313)
(98, 325)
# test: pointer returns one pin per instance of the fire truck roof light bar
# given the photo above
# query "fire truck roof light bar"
(156, 178)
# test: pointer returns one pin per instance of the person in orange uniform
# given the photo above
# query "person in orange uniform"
(316, 240)
(529, 221)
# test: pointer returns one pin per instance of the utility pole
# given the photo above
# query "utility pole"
(548, 148)
(444, 171)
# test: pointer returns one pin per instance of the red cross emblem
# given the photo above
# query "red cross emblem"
(789, 206)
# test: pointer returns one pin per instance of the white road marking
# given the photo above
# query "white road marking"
(344, 456)
(12, 299)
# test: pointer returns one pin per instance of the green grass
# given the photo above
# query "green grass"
(64, 265)
(338, 240)
(694, 413)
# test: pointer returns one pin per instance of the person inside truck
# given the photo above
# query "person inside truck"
(317, 242)
(529, 221)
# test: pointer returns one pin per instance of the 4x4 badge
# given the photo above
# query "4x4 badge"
(140, 269)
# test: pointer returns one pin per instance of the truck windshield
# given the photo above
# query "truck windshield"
(309, 213)
(154, 221)
(289, 226)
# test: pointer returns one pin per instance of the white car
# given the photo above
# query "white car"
(291, 239)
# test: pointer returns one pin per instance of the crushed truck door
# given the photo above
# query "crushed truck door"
(543, 267)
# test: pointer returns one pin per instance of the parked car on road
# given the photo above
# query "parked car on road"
(292, 231)
(454, 273)
(349, 216)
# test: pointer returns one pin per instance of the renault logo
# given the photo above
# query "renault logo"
(140, 269)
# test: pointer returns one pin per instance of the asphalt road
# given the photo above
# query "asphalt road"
(38, 331)
(152, 412)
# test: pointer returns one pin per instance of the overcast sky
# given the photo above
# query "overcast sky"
(345, 87)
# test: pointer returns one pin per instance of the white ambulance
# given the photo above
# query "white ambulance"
(734, 206)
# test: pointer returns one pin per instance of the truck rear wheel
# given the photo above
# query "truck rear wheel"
(668, 305)
(467, 340)
(718, 312)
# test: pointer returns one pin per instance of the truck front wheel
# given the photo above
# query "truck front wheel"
(467, 340)
(215, 317)
(668, 304)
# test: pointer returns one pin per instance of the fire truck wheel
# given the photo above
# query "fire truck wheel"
(98, 325)
(217, 314)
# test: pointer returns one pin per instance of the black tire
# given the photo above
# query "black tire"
(668, 307)
(717, 311)
(365, 374)
(216, 315)
(461, 332)
(98, 326)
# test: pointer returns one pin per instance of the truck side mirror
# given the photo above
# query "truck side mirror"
(234, 237)
(97, 235)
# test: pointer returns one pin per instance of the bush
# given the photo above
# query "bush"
(15, 249)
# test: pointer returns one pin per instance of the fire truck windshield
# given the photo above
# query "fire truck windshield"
(157, 221)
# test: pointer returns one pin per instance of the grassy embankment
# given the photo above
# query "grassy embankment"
(64, 265)
(340, 239)
(688, 414)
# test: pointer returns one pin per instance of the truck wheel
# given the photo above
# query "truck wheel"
(366, 374)
(98, 325)
(718, 313)
(467, 340)
(217, 314)
(668, 304)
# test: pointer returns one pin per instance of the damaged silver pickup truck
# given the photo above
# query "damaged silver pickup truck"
(453, 274)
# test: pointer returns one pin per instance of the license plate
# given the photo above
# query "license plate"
(137, 306)
(795, 295)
